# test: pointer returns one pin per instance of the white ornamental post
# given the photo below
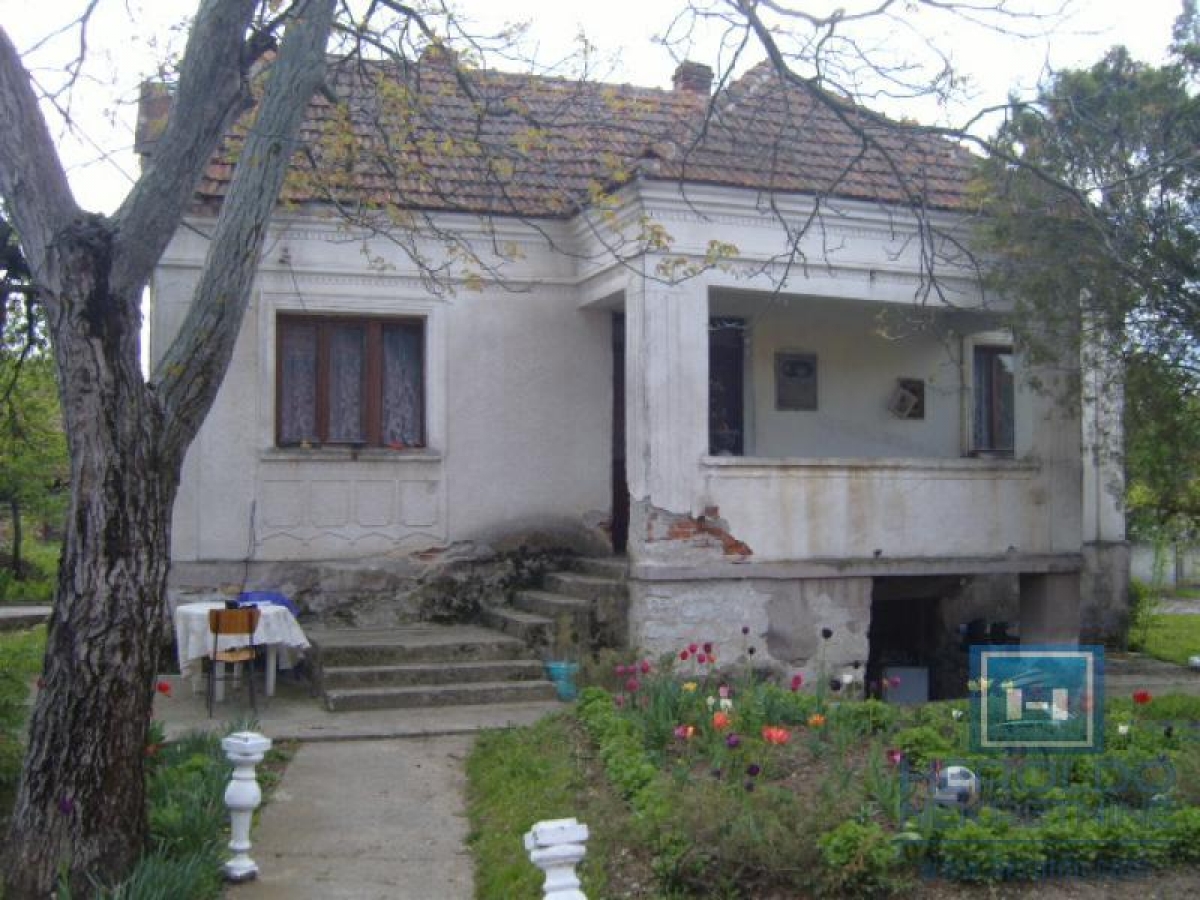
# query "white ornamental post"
(245, 749)
(557, 847)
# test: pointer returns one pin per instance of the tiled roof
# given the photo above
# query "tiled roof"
(425, 137)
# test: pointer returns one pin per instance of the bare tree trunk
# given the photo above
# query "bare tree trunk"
(83, 769)
(14, 509)
(81, 803)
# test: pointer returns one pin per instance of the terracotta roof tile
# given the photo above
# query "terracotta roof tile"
(427, 137)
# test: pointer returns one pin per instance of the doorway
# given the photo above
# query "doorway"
(619, 527)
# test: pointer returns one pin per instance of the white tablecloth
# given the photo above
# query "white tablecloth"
(277, 629)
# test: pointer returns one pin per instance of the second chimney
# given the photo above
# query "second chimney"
(693, 77)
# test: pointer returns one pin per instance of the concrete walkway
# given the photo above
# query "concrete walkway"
(373, 804)
(13, 617)
(366, 820)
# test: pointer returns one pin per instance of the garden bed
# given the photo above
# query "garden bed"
(737, 787)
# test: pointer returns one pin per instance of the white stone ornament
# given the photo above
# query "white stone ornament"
(245, 749)
(956, 786)
(556, 847)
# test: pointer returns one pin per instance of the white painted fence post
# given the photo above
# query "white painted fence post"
(245, 749)
(557, 847)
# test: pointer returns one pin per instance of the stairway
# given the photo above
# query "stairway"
(582, 609)
(500, 661)
(424, 665)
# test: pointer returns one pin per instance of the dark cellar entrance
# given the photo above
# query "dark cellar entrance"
(909, 632)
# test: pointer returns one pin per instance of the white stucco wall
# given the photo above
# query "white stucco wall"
(519, 401)
(848, 479)
(858, 364)
(518, 412)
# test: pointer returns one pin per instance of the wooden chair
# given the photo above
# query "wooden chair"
(232, 622)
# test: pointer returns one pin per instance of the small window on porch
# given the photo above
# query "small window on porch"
(993, 400)
(726, 417)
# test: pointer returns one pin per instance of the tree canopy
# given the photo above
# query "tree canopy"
(1093, 191)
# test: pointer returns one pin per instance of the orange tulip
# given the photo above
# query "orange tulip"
(816, 720)
(721, 721)
(774, 734)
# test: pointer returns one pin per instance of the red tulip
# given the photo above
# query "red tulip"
(1141, 698)
(774, 734)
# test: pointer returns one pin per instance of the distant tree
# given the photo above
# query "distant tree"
(1092, 203)
(1162, 449)
(33, 450)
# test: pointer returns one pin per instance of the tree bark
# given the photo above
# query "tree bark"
(14, 509)
(81, 803)
(80, 806)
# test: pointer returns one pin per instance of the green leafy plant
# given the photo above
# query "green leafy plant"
(859, 859)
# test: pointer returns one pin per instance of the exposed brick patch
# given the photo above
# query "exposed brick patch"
(707, 530)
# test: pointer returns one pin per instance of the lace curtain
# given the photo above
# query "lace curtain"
(346, 350)
(402, 424)
(298, 385)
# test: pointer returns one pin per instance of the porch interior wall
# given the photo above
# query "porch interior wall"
(858, 364)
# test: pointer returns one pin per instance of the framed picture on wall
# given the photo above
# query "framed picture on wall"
(795, 380)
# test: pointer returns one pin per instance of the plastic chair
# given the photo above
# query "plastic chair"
(230, 622)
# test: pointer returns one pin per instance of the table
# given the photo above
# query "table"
(277, 629)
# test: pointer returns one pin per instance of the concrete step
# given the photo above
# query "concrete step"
(421, 643)
(551, 605)
(531, 630)
(438, 695)
(584, 587)
(18, 618)
(614, 567)
(413, 675)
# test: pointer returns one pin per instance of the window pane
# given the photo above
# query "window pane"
(1002, 401)
(402, 402)
(993, 419)
(298, 383)
(346, 364)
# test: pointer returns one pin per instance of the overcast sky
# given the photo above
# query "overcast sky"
(130, 36)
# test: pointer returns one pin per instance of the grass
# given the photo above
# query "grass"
(522, 776)
(20, 661)
(1172, 638)
(41, 567)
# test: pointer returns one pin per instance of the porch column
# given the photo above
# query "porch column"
(666, 399)
(1050, 609)
(1105, 576)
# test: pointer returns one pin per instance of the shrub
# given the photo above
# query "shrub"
(923, 744)
(1183, 831)
(864, 717)
(1143, 606)
(859, 859)
(989, 849)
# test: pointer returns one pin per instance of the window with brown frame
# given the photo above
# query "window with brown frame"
(349, 380)
(993, 400)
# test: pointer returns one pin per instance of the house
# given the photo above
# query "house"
(700, 334)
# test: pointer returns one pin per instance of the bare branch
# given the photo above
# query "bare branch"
(213, 90)
(192, 368)
(32, 180)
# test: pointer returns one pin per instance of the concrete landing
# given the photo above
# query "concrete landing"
(368, 820)
(293, 713)
(1125, 673)
(13, 618)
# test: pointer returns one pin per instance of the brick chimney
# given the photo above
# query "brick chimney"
(154, 105)
(693, 77)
